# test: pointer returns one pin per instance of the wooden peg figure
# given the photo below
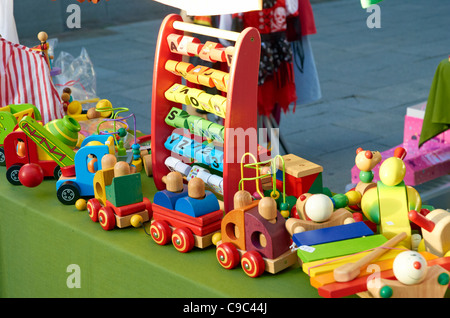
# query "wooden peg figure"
(42, 36)
(174, 182)
(267, 207)
(108, 161)
(241, 199)
(65, 101)
(121, 168)
(196, 188)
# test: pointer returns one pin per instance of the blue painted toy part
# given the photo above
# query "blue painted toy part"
(172, 141)
(198, 207)
(84, 179)
(332, 234)
(101, 138)
(193, 149)
(167, 199)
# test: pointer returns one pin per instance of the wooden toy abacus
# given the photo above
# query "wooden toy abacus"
(236, 104)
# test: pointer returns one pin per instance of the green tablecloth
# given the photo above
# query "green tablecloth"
(40, 238)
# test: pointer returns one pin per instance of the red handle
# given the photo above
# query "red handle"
(421, 221)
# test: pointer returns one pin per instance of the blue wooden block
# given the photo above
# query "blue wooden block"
(168, 199)
(172, 141)
(332, 234)
(198, 207)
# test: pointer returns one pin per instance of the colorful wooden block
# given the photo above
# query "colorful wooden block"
(178, 93)
(339, 248)
(197, 207)
(125, 190)
(229, 53)
(183, 45)
(172, 141)
(219, 79)
(332, 234)
(205, 52)
(193, 75)
(173, 40)
(269, 239)
(233, 226)
(168, 199)
(393, 205)
(219, 105)
(301, 176)
(204, 102)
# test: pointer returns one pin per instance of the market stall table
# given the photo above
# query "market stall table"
(45, 244)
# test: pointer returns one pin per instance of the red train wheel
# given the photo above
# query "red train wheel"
(160, 232)
(253, 264)
(106, 218)
(93, 206)
(183, 239)
(227, 255)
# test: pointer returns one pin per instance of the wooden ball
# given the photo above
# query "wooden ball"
(267, 208)
(174, 181)
(67, 90)
(241, 199)
(42, 36)
(108, 161)
(300, 205)
(65, 97)
(121, 168)
(196, 188)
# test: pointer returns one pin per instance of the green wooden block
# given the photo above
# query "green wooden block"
(125, 190)
(339, 248)
(177, 118)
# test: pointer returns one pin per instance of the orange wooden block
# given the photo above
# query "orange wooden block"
(173, 40)
(205, 52)
(229, 53)
(193, 75)
(183, 46)
(220, 80)
(218, 54)
(182, 68)
(232, 227)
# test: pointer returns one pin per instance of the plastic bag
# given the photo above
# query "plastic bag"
(8, 28)
(76, 73)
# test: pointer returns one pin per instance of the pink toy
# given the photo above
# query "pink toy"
(429, 162)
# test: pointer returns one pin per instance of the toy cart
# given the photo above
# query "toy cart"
(183, 230)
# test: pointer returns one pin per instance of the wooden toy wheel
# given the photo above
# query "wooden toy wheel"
(160, 232)
(227, 255)
(106, 218)
(183, 239)
(68, 193)
(12, 175)
(93, 206)
(2, 157)
(57, 172)
(253, 264)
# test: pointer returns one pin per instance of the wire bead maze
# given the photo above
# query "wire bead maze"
(121, 132)
(284, 207)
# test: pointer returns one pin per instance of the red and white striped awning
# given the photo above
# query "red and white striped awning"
(25, 79)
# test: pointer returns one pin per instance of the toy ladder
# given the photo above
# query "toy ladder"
(240, 109)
